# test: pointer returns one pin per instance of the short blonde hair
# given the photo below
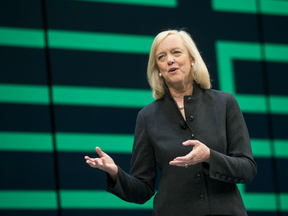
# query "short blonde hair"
(199, 70)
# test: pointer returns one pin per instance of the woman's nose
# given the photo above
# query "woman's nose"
(170, 60)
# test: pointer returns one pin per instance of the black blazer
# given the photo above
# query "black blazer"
(215, 119)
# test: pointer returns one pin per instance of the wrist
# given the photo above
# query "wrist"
(208, 156)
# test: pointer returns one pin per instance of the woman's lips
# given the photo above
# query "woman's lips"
(173, 70)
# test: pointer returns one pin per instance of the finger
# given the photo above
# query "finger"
(189, 142)
(92, 164)
(100, 152)
(184, 158)
(176, 163)
(88, 158)
(104, 163)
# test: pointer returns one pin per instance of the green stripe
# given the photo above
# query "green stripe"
(279, 104)
(276, 52)
(254, 201)
(111, 143)
(261, 148)
(227, 51)
(269, 7)
(28, 94)
(123, 43)
(242, 6)
(274, 7)
(17, 141)
(281, 149)
(98, 199)
(114, 97)
(22, 37)
(28, 200)
(93, 41)
(252, 103)
(283, 202)
(71, 199)
(158, 3)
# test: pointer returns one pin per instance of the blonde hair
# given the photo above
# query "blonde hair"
(199, 70)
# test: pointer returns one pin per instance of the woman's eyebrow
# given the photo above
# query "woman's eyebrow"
(170, 49)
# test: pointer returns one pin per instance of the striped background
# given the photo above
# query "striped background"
(73, 77)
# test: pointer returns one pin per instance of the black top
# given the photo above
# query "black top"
(215, 119)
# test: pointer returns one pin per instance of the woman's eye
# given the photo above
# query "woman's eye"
(160, 57)
(177, 52)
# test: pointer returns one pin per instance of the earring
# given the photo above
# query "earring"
(192, 63)
(160, 74)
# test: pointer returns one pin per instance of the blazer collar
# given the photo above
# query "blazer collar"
(196, 90)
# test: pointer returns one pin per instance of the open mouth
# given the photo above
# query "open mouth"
(172, 70)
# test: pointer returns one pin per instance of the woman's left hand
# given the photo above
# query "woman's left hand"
(200, 153)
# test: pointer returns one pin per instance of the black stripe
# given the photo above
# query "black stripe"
(23, 66)
(264, 171)
(95, 119)
(29, 212)
(257, 125)
(24, 117)
(106, 212)
(275, 29)
(21, 14)
(27, 170)
(248, 77)
(99, 69)
(282, 164)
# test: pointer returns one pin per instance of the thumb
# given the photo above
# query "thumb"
(100, 152)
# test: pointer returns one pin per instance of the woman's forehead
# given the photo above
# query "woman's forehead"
(173, 41)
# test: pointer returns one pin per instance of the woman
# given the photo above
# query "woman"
(197, 136)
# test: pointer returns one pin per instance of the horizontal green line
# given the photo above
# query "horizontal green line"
(255, 201)
(283, 201)
(115, 97)
(123, 43)
(111, 143)
(269, 7)
(28, 94)
(75, 95)
(274, 7)
(76, 40)
(17, 141)
(99, 199)
(243, 6)
(261, 148)
(281, 148)
(252, 103)
(71, 199)
(158, 3)
(279, 104)
(260, 201)
(276, 52)
(22, 37)
(28, 199)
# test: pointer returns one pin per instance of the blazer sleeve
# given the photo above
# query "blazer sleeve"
(238, 166)
(138, 185)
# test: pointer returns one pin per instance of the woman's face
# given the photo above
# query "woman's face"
(174, 61)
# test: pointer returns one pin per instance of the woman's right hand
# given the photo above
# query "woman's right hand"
(105, 163)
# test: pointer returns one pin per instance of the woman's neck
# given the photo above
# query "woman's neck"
(179, 93)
